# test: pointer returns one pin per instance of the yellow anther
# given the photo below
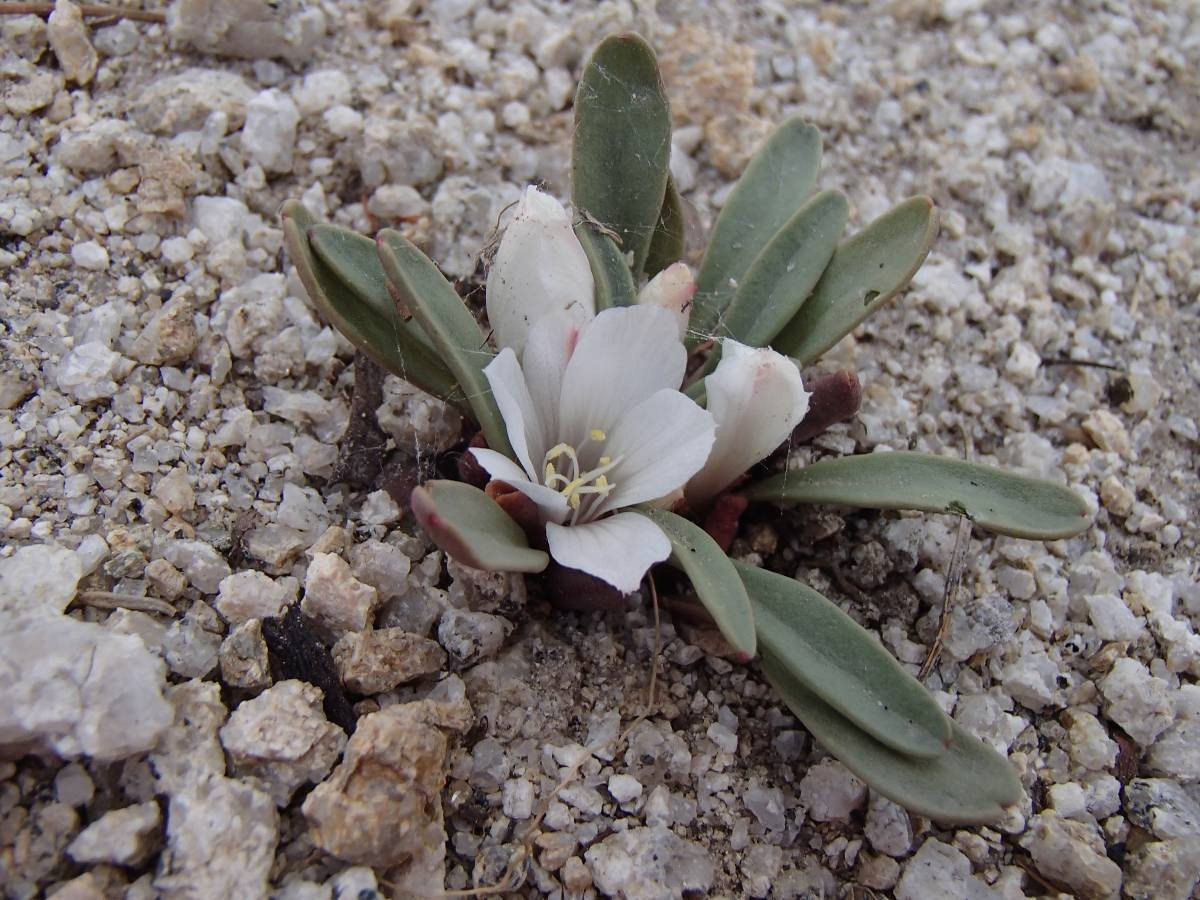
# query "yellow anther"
(605, 460)
(602, 483)
(598, 435)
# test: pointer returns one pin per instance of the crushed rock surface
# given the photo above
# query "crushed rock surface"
(173, 413)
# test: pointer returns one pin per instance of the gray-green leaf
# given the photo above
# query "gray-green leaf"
(992, 498)
(666, 246)
(622, 142)
(448, 323)
(712, 575)
(472, 528)
(968, 784)
(865, 272)
(773, 187)
(373, 327)
(845, 665)
(610, 271)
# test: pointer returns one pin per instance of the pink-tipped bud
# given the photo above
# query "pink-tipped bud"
(672, 289)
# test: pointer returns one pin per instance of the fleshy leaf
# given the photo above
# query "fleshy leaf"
(845, 665)
(786, 271)
(373, 327)
(992, 498)
(865, 272)
(667, 244)
(622, 142)
(471, 527)
(610, 271)
(968, 784)
(773, 187)
(712, 575)
(448, 323)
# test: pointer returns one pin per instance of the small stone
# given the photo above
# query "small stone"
(120, 39)
(624, 788)
(74, 786)
(168, 582)
(1162, 807)
(249, 29)
(469, 637)
(888, 826)
(174, 491)
(192, 644)
(89, 372)
(382, 805)
(1117, 498)
(1072, 853)
(384, 567)
(124, 837)
(38, 581)
(282, 738)
(939, 870)
(248, 595)
(79, 689)
(322, 89)
(1023, 362)
(170, 336)
(1108, 433)
(1176, 752)
(89, 254)
(371, 662)
(1112, 619)
(517, 799)
(71, 44)
(1137, 701)
(575, 875)
(1163, 870)
(245, 662)
(393, 202)
(335, 598)
(269, 133)
(203, 565)
(830, 792)
(766, 805)
(418, 422)
(378, 508)
(643, 863)
(879, 873)
(760, 865)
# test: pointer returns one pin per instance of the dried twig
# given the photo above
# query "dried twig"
(954, 575)
(89, 10)
(110, 600)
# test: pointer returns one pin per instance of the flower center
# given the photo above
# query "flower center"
(583, 489)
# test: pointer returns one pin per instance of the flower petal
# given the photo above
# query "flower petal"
(552, 340)
(539, 268)
(757, 397)
(618, 549)
(659, 445)
(551, 503)
(525, 429)
(624, 355)
(672, 289)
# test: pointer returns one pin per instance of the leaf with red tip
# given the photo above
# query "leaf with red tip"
(471, 527)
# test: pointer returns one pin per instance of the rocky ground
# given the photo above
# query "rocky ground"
(186, 529)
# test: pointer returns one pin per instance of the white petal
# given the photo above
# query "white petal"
(672, 289)
(525, 429)
(551, 503)
(661, 443)
(623, 356)
(552, 340)
(539, 268)
(618, 549)
(757, 397)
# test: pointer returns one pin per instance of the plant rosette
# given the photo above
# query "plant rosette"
(598, 454)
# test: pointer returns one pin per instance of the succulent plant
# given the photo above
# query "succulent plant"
(777, 275)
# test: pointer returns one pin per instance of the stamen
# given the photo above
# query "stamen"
(598, 435)
(576, 486)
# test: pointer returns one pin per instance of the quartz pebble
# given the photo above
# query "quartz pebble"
(282, 739)
(335, 598)
(370, 662)
(643, 863)
(1073, 854)
(124, 837)
(253, 595)
(830, 792)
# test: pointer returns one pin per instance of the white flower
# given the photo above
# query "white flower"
(757, 397)
(597, 423)
(672, 289)
(540, 268)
